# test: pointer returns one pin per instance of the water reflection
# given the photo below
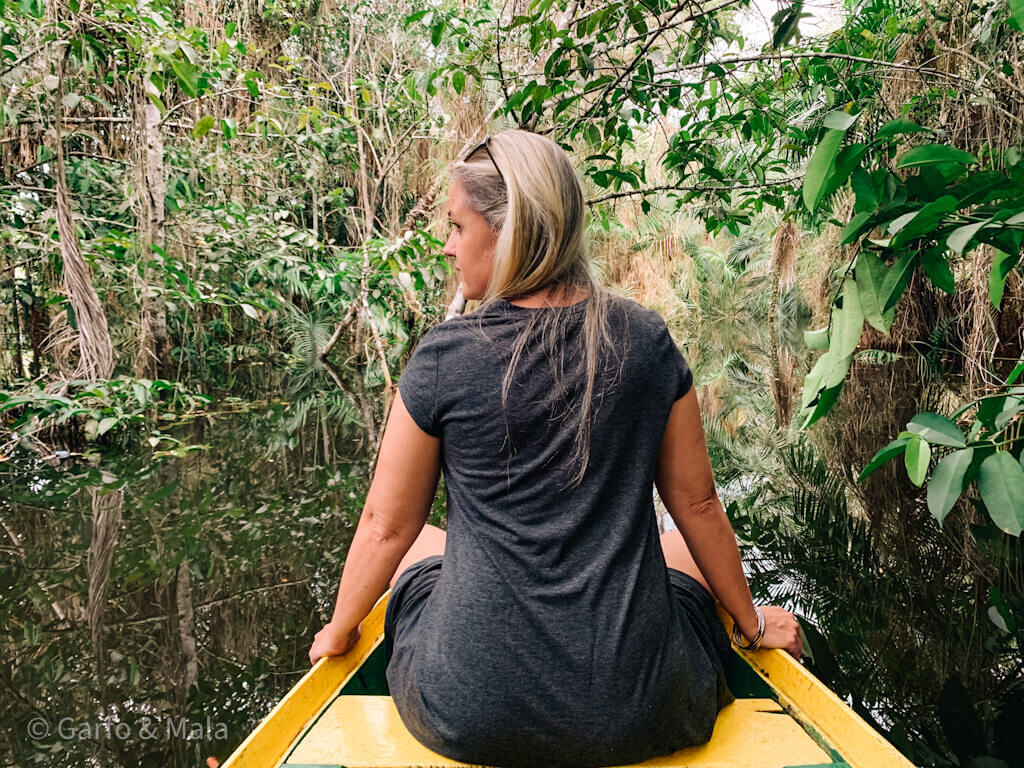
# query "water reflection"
(224, 563)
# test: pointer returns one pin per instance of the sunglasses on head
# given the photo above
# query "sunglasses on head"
(487, 149)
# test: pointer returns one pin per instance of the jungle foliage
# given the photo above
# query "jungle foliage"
(229, 214)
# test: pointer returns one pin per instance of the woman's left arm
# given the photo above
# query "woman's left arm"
(396, 508)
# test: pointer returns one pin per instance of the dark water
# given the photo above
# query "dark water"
(226, 543)
(248, 532)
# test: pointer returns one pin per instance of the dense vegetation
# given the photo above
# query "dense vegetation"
(220, 236)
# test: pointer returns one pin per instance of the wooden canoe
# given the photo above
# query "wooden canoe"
(340, 714)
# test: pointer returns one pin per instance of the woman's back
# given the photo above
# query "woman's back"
(552, 635)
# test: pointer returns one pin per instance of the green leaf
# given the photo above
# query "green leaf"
(157, 102)
(937, 429)
(1003, 613)
(891, 451)
(865, 189)
(1018, 369)
(900, 222)
(947, 482)
(1011, 407)
(916, 458)
(853, 229)
(1017, 9)
(897, 278)
(203, 127)
(961, 236)
(817, 339)
(1002, 264)
(436, 32)
(829, 371)
(250, 310)
(228, 126)
(847, 322)
(251, 86)
(924, 221)
(937, 268)
(820, 405)
(185, 73)
(898, 127)
(870, 273)
(106, 424)
(458, 81)
(822, 386)
(839, 120)
(1001, 482)
(820, 166)
(933, 154)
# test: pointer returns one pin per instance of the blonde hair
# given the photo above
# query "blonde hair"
(540, 216)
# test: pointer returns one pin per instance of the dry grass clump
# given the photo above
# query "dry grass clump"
(652, 265)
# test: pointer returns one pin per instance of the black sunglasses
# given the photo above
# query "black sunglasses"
(487, 149)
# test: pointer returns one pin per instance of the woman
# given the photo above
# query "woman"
(550, 625)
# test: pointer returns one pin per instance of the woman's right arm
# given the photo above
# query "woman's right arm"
(687, 486)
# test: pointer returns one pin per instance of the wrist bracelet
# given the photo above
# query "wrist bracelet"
(753, 644)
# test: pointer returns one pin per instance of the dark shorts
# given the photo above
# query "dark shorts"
(415, 583)
(409, 595)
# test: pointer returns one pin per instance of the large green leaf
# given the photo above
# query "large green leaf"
(820, 167)
(870, 273)
(937, 429)
(854, 228)
(817, 339)
(897, 278)
(925, 221)
(1002, 264)
(891, 451)
(898, 127)
(1018, 369)
(961, 236)
(1017, 9)
(1001, 482)
(185, 73)
(947, 482)
(936, 266)
(932, 154)
(820, 405)
(916, 458)
(822, 386)
(847, 322)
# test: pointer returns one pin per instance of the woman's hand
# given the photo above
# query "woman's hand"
(781, 631)
(333, 640)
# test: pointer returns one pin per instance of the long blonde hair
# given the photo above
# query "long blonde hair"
(540, 216)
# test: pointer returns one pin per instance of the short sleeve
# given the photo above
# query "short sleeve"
(418, 384)
(678, 368)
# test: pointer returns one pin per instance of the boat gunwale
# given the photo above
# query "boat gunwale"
(830, 721)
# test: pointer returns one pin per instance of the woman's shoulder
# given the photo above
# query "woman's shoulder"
(644, 319)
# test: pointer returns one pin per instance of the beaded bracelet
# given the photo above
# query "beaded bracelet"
(753, 644)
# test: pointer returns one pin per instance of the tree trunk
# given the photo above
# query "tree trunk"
(153, 358)
(96, 352)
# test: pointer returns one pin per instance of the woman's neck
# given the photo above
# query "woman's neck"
(550, 297)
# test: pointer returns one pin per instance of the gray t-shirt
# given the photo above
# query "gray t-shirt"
(551, 636)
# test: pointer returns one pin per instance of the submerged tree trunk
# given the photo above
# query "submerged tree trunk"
(106, 519)
(186, 622)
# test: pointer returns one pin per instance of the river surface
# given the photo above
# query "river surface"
(158, 601)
